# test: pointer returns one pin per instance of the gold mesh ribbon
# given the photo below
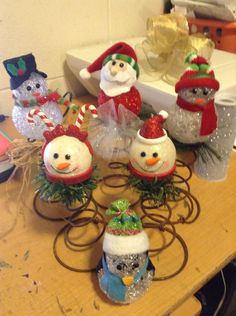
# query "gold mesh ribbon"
(161, 55)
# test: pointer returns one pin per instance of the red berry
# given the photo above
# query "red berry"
(20, 72)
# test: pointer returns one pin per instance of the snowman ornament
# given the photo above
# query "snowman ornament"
(152, 154)
(67, 154)
(193, 118)
(30, 91)
(125, 271)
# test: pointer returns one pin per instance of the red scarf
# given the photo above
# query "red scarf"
(209, 117)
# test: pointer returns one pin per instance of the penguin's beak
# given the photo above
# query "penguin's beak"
(152, 161)
(128, 280)
(63, 165)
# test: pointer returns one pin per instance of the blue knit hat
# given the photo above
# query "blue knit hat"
(20, 69)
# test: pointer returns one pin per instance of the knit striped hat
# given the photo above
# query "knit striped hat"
(120, 51)
(124, 233)
(197, 74)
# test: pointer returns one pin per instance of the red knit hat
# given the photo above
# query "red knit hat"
(152, 132)
(197, 74)
(120, 50)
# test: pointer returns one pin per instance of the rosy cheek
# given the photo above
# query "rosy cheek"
(166, 164)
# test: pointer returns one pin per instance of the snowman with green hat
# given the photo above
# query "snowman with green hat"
(125, 271)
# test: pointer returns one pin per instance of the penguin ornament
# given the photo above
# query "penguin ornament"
(125, 271)
(30, 91)
(193, 118)
(67, 157)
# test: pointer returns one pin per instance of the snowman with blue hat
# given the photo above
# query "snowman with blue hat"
(30, 91)
(125, 271)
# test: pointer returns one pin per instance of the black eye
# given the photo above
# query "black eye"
(55, 155)
(28, 88)
(205, 91)
(143, 154)
(113, 63)
(121, 65)
(155, 155)
(194, 90)
(135, 265)
(67, 157)
(37, 85)
(119, 267)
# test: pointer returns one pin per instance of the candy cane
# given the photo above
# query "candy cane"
(42, 116)
(82, 112)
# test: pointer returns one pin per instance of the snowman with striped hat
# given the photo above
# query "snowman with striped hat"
(66, 153)
(193, 118)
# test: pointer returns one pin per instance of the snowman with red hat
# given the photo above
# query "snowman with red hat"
(67, 156)
(193, 118)
(119, 102)
(152, 154)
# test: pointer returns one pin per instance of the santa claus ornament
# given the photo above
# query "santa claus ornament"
(193, 118)
(67, 156)
(152, 158)
(30, 91)
(125, 271)
(119, 102)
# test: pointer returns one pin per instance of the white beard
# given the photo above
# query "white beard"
(118, 84)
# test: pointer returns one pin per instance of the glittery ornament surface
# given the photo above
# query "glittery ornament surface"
(222, 142)
(19, 118)
(184, 125)
(30, 89)
(127, 266)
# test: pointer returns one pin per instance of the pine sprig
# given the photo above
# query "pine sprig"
(68, 194)
(157, 190)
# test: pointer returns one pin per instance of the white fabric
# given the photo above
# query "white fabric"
(124, 245)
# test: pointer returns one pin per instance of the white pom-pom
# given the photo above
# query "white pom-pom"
(164, 114)
(84, 74)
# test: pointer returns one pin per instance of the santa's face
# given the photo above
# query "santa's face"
(199, 96)
(67, 156)
(32, 88)
(153, 159)
(117, 74)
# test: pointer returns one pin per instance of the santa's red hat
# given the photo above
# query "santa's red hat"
(197, 74)
(120, 51)
(152, 131)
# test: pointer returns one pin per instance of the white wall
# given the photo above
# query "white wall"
(48, 28)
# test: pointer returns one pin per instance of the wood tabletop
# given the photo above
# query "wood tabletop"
(34, 283)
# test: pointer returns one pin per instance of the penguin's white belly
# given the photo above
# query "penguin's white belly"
(184, 126)
(19, 117)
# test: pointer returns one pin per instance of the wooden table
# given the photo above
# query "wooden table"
(33, 283)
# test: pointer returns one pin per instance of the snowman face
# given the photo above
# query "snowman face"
(153, 158)
(32, 88)
(67, 156)
(200, 96)
(126, 265)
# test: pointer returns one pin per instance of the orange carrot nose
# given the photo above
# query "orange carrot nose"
(152, 161)
(128, 280)
(200, 101)
(63, 165)
(36, 94)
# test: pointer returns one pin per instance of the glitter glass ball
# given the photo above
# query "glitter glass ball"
(127, 266)
(29, 90)
(19, 118)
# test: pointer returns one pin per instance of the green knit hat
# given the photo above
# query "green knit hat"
(124, 232)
